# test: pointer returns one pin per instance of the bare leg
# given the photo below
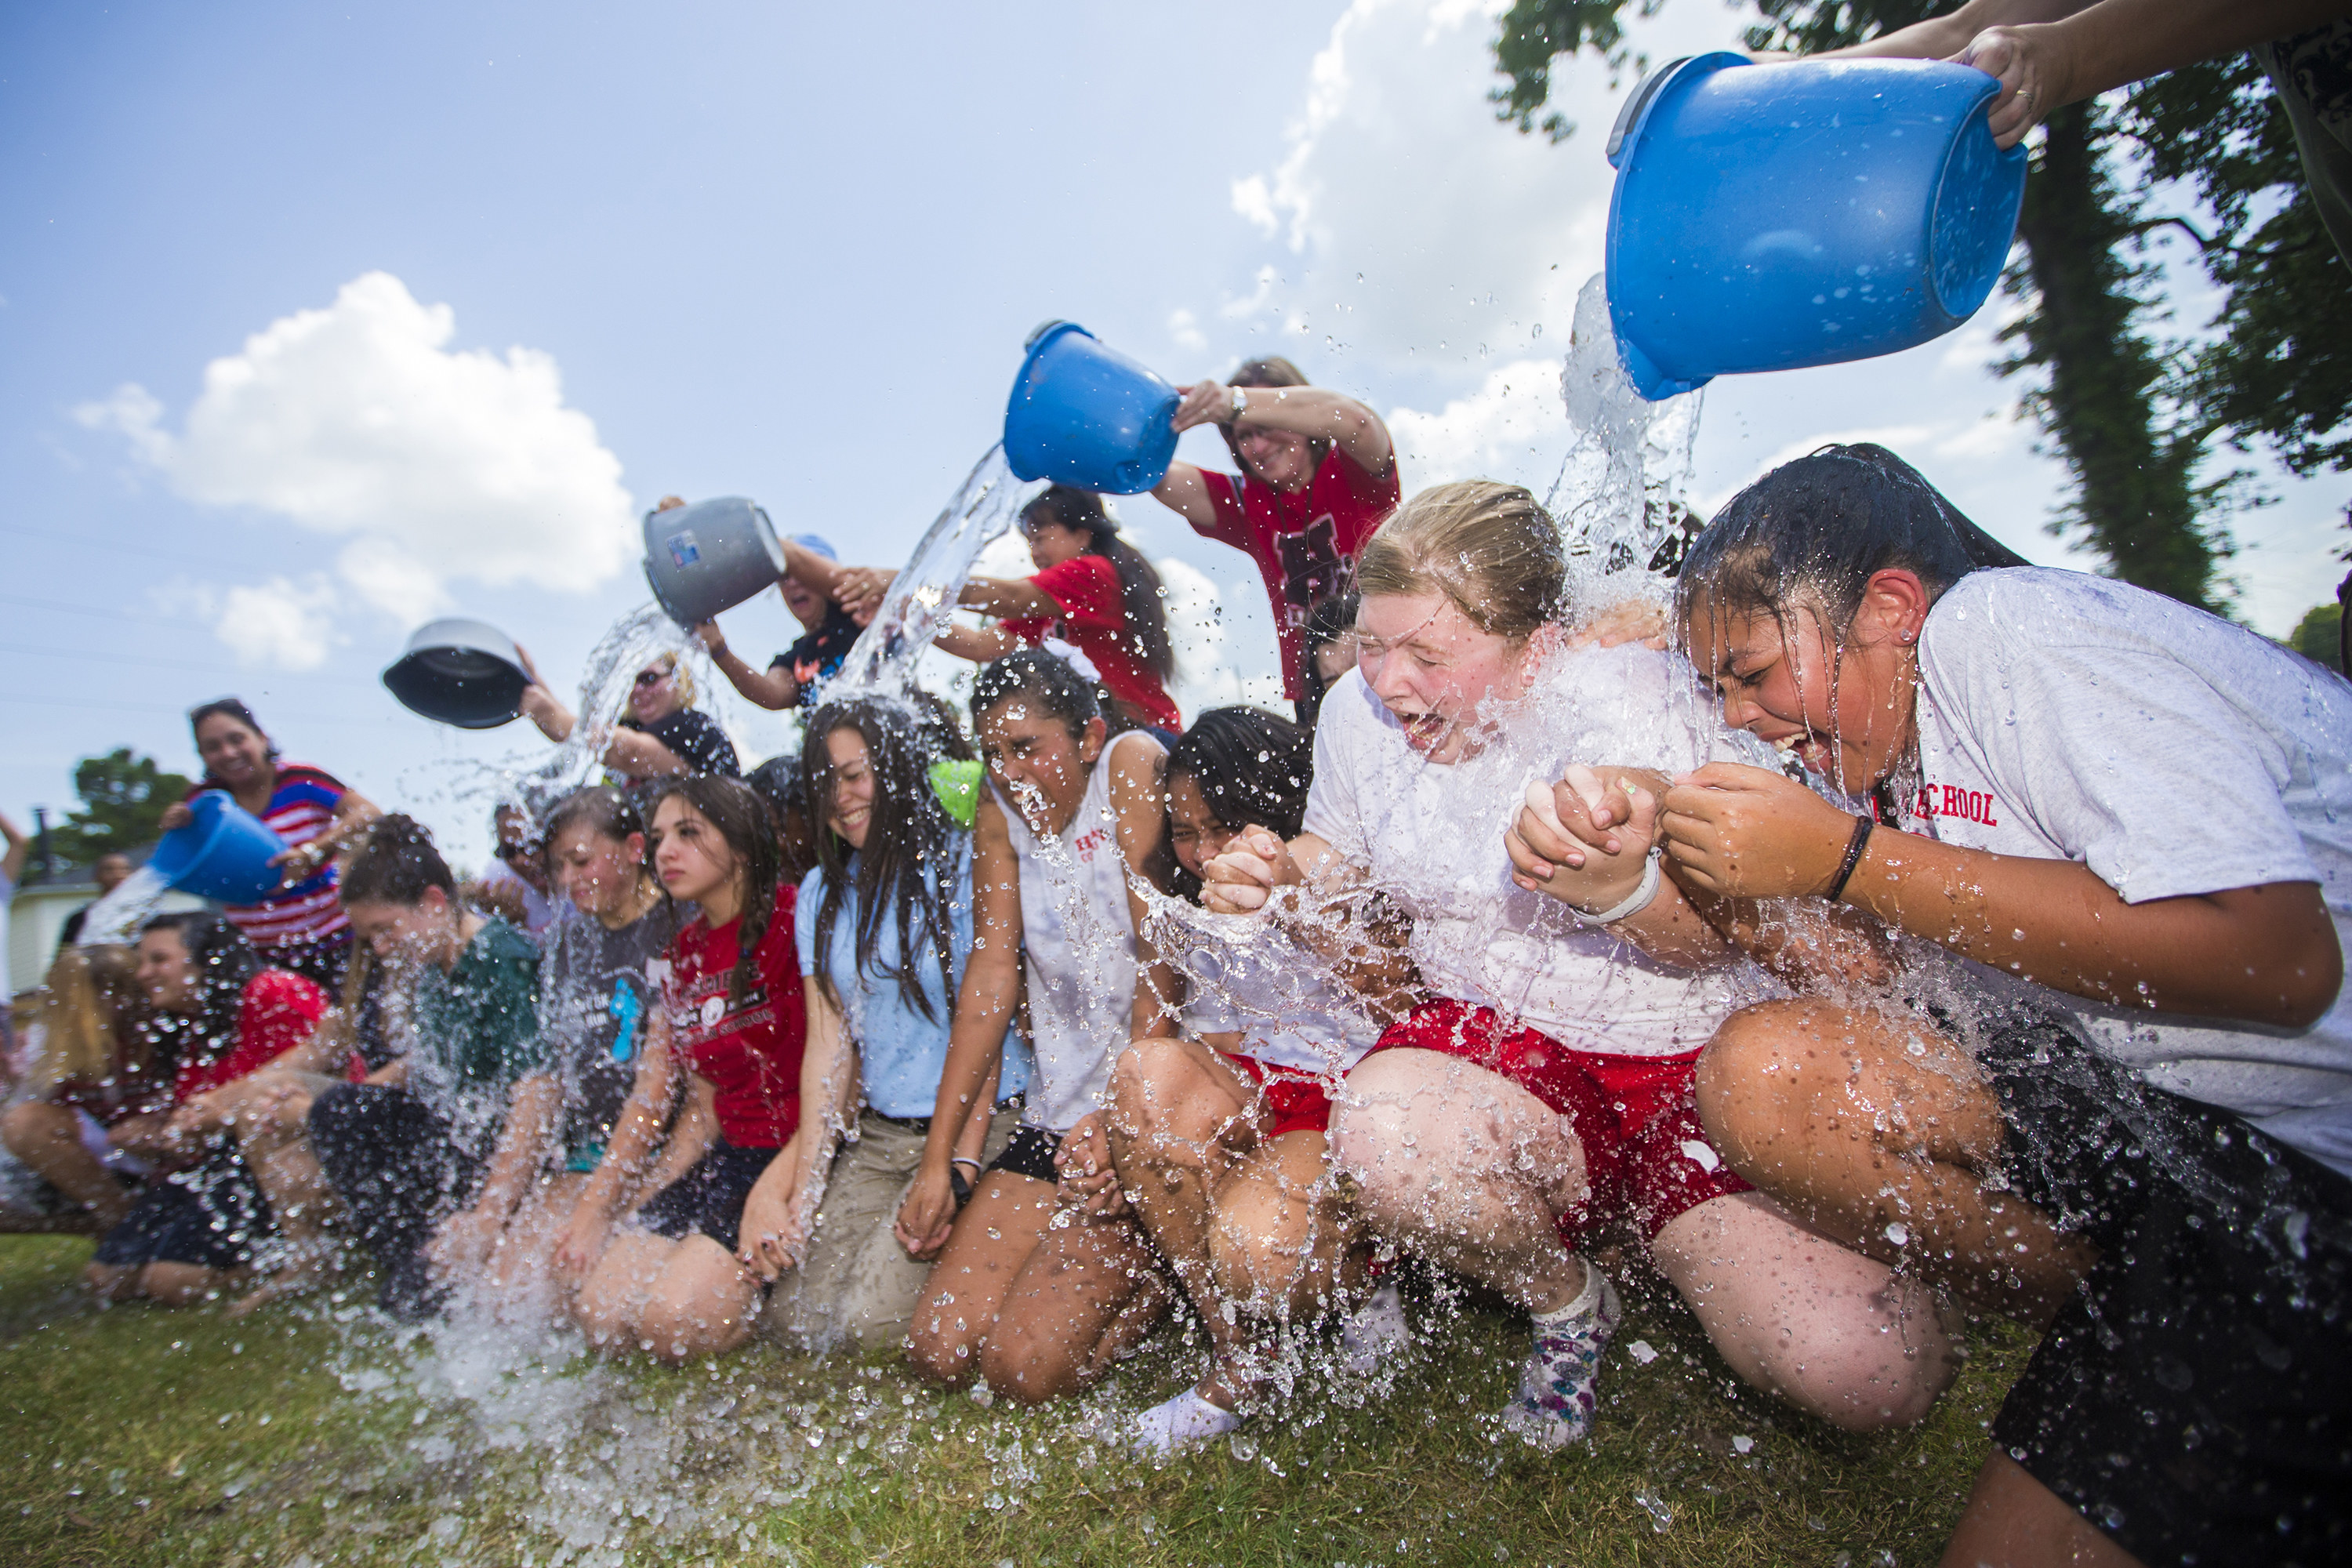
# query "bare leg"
(519, 1274)
(185, 1284)
(273, 1134)
(1874, 1131)
(1467, 1168)
(2014, 1522)
(1826, 1329)
(612, 1296)
(112, 1281)
(1088, 1280)
(1279, 1245)
(47, 1139)
(993, 1238)
(1178, 1119)
(703, 1302)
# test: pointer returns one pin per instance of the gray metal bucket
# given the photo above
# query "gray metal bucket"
(460, 672)
(710, 556)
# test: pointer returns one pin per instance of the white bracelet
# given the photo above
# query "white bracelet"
(1635, 903)
(1240, 404)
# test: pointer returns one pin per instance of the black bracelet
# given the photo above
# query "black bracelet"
(1854, 847)
(960, 1186)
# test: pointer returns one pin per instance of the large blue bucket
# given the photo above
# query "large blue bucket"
(1772, 216)
(1088, 416)
(223, 854)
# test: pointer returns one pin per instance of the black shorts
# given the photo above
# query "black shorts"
(1030, 1153)
(2194, 1398)
(708, 1199)
(212, 1217)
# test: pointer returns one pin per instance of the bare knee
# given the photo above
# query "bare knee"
(1145, 1083)
(177, 1284)
(1026, 1367)
(110, 1281)
(1742, 1080)
(677, 1329)
(940, 1341)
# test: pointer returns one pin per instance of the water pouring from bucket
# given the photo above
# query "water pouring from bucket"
(1813, 212)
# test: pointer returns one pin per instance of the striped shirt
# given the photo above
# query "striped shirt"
(300, 809)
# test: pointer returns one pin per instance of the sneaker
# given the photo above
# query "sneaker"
(1179, 1423)
(1556, 1388)
(1374, 1331)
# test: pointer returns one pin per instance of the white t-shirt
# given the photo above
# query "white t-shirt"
(2063, 716)
(1244, 976)
(1431, 836)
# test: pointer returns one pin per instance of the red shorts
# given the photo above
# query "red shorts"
(1295, 1101)
(1645, 1152)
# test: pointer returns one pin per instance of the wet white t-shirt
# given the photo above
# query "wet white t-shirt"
(1431, 836)
(2063, 716)
(1078, 942)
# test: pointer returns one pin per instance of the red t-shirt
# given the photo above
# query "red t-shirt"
(276, 1012)
(751, 1051)
(1304, 542)
(1093, 621)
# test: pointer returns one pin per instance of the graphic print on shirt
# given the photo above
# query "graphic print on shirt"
(1312, 567)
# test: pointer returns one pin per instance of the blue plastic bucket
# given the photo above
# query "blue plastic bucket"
(1084, 415)
(1772, 216)
(223, 854)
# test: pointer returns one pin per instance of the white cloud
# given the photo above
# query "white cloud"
(280, 625)
(1512, 428)
(437, 465)
(1466, 232)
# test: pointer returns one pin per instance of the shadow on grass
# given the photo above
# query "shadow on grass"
(315, 1434)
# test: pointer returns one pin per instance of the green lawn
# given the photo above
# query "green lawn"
(300, 1436)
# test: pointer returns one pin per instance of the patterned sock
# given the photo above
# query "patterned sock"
(1555, 1404)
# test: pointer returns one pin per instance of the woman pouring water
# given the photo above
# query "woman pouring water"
(301, 926)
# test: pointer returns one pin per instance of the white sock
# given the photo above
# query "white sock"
(1175, 1423)
(1557, 1396)
(1586, 1300)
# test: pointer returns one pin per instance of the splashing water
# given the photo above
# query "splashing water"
(923, 595)
(117, 916)
(1618, 494)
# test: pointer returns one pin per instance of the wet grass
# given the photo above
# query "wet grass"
(133, 1435)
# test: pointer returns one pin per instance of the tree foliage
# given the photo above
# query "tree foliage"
(124, 798)
(2133, 415)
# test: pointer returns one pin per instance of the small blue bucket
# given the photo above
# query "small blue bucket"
(1773, 216)
(223, 854)
(1088, 416)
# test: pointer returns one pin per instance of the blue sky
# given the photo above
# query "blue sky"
(479, 283)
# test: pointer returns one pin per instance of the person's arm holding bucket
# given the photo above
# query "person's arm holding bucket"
(2050, 52)
(774, 689)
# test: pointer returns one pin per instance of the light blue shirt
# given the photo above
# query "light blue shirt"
(901, 1054)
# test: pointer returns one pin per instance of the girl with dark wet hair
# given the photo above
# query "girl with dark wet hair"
(672, 1278)
(2132, 1118)
(1093, 590)
(1043, 1277)
(1221, 1135)
(885, 934)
